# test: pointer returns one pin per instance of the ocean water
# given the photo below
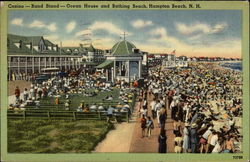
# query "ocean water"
(233, 65)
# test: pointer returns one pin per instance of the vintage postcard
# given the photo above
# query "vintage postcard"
(124, 81)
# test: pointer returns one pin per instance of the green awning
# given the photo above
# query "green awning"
(89, 63)
(105, 64)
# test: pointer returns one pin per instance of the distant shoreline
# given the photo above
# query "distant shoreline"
(229, 61)
(239, 69)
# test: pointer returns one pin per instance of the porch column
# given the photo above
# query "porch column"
(139, 69)
(69, 60)
(33, 65)
(128, 71)
(112, 74)
(114, 70)
(18, 64)
(50, 62)
(107, 74)
(26, 64)
(60, 63)
(65, 63)
(45, 62)
(39, 60)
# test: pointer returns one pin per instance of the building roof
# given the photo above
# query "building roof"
(21, 45)
(26, 41)
(123, 48)
(91, 48)
(105, 64)
(49, 43)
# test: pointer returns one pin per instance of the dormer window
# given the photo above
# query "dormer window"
(135, 50)
(57, 48)
(20, 44)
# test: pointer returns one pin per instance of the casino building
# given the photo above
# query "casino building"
(29, 54)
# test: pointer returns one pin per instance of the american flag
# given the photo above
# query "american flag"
(173, 52)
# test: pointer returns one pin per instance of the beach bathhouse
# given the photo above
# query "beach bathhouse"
(171, 61)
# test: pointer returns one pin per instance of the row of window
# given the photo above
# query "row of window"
(36, 59)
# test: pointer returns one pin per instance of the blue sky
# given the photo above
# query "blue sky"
(192, 33)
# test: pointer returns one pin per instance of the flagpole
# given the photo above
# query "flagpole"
(60, 48)
(32, 45)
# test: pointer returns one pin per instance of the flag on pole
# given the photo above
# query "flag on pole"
(173, 52)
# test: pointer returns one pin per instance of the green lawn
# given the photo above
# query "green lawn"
(76, 99)
(55, 136)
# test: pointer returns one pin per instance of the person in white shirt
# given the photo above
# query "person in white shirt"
(213, 142)
(32, 93)
(158, 106)
(152, 107)
(144, 112)
(186, 112)
(204, 139)
(173, 107)
(218, 147)
(25, 94)
(162, 102)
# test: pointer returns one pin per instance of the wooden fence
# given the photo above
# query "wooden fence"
(48, 111)
(71, 115)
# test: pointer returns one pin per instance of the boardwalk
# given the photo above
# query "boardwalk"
(127, 137)
(150, 145)
(117, 140)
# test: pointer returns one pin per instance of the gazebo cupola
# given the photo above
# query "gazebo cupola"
(124, 62)
(127, 61)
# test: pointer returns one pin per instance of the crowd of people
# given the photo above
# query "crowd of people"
(87, 85)
(30, 77)
(205, 102)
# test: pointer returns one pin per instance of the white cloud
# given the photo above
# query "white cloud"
(104, 43)
(219, 27)
(52, 27)
(17, 21)
(141, 23)
(39, 24)
(160, 35)
(52, 38)
(187, 30)
(221, 48)
(199, 28)
(106, 26)
(161, 41)
(71, 26)
(160, 31)
(71, 43)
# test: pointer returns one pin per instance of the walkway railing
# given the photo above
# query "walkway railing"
(71, 115)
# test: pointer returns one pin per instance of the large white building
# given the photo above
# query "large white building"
(171, 61)
(29, 54)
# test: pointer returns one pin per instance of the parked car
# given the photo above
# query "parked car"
(41, 78)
